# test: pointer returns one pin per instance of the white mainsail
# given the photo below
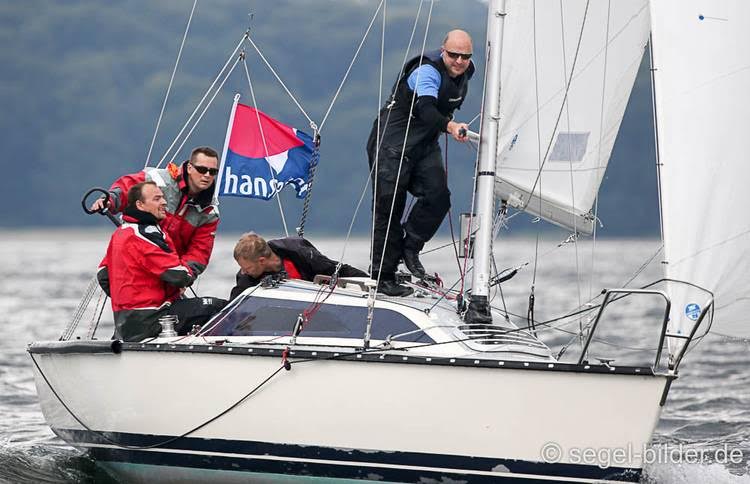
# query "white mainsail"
(568, 135)
(701, 58)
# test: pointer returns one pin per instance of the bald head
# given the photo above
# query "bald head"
(456, 51)
(458, 36)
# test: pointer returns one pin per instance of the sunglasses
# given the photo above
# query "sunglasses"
(456, 55)
(204, 169)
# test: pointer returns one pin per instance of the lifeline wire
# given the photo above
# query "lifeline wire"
(87, 295)
(95, 318)
(169, 87)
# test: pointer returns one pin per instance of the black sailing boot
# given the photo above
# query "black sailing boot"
(390, 287)
(479, 311)
(410, 256)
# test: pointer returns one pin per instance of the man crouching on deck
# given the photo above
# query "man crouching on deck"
(143, 275)
(296, 257)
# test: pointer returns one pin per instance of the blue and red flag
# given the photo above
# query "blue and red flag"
(264, 156)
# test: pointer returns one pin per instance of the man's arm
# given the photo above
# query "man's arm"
(200, 246)
(118, 192)
(320, 264)
(102, 274)
(349, 271)
(425, 80)
(165, 265)
(119, 189)
(243, 281)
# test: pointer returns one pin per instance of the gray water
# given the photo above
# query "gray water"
(44, 274)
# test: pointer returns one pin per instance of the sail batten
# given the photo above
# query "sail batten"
(554, 143)
(701, 79)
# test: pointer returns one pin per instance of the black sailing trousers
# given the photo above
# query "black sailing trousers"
(424, 177)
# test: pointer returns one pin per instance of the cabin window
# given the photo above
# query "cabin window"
(569, 146)
(258, 316)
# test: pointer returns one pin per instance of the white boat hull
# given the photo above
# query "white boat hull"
(396, 418)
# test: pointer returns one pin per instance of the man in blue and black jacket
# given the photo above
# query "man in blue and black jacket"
(421, 107)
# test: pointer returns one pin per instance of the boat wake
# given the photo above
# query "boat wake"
(43, 463)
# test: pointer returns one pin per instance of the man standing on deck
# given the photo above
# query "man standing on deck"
(191, 218)
(143, 274)
(421, 107)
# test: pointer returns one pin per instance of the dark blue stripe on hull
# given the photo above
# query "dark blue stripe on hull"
(261, 466)
(347, 462)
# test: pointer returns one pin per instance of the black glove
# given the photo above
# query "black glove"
(196, 267)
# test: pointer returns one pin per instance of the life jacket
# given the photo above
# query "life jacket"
(422, 137)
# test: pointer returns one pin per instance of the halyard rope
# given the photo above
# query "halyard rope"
(169, 86)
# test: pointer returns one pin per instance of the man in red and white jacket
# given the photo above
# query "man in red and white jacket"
(192, 218)
(144, 275)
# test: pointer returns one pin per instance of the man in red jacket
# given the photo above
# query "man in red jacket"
(191, 218)
(144, 275)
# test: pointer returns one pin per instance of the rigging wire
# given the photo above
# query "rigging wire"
(378, 139)
(197, 107)
(643, 266)
(377, 135)
(599, 152)
(351, 64)
(263, 138)
(403, 147)
(532, 297)
(570, 151)
(542, 160)
(169, 86)
(278, 78)
(377, 148)
(564, 101)
(208, 105)
(652, 69)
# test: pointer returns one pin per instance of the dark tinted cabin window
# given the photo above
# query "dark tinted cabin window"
(276, 317)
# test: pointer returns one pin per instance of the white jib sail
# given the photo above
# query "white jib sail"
(569, 136)
(701, 52)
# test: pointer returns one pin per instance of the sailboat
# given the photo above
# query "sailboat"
(405, 389)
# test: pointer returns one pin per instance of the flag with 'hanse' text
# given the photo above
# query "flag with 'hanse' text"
(264, 155)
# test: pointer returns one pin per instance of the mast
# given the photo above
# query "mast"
(479, 311)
